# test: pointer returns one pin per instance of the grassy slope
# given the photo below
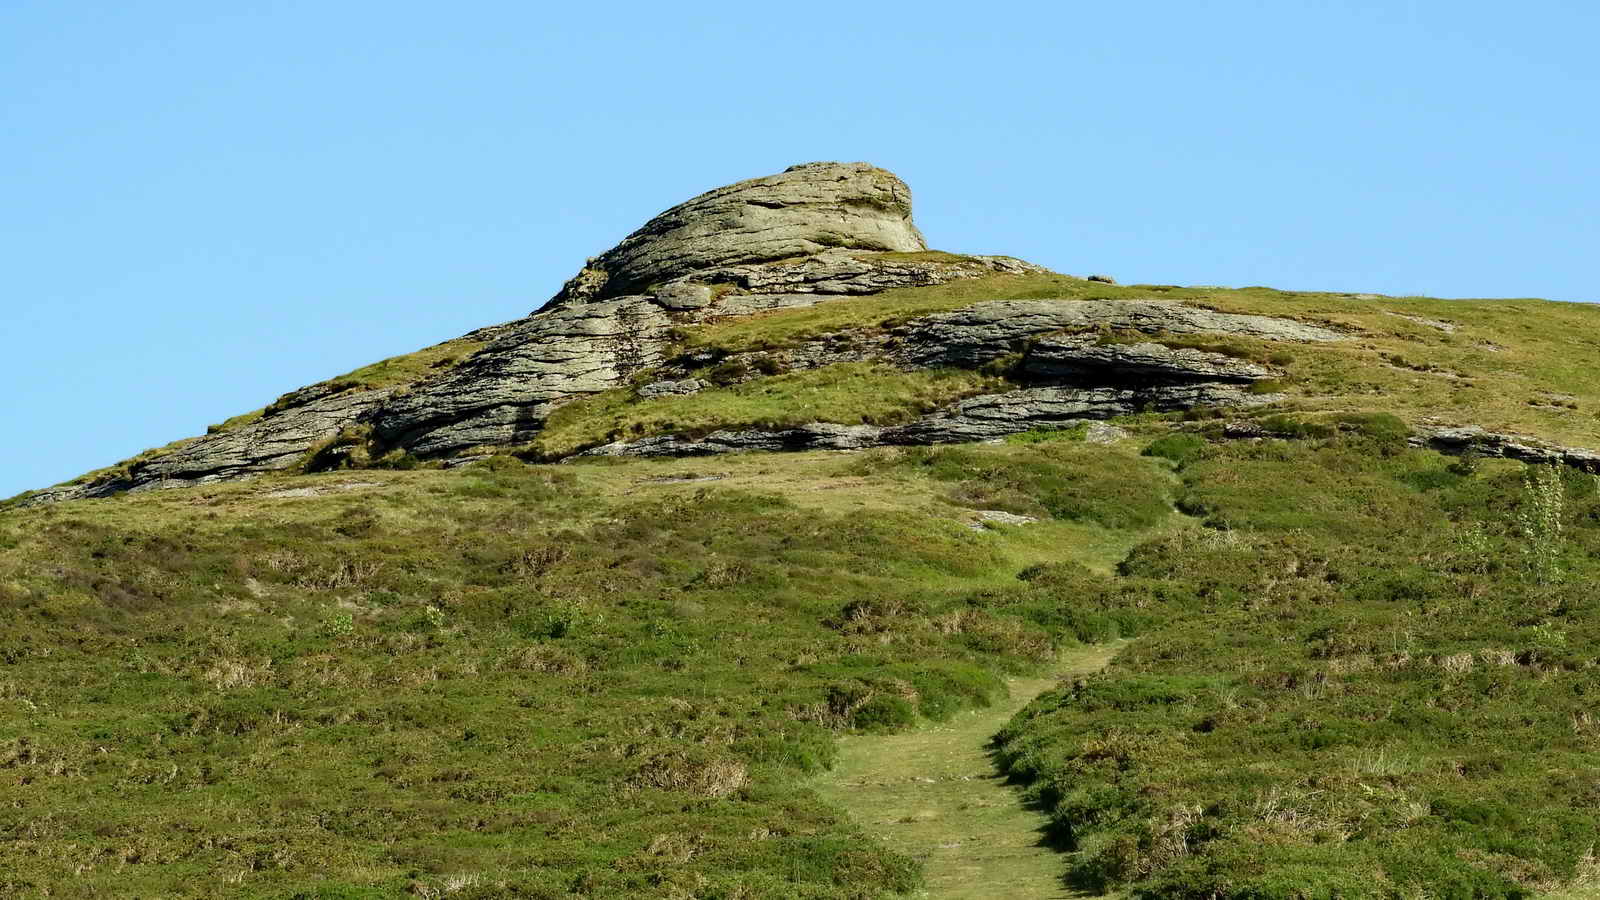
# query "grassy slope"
(1350, 684)
(932, 793)
(585, 678)
(530, 679)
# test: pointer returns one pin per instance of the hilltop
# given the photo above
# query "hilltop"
(577, 604)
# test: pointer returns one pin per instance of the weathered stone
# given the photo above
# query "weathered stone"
(836, 274)
(683, 295)
(503, 393)
(814, 436)
(972, 336)
(853, 272)
(671, 388)
(802, 211)
(1478, 440)
(276, 441)
(997, 415)
(1082, 357)
(1244, 430)
(980, 418)
(987, 517)
(1102, 433)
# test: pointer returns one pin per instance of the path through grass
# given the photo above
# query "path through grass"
(934, 794)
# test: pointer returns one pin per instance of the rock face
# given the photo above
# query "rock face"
(504, 392)
(817, 233)
(978, 419)
(1476, 439)
(985, 331)
(799, 212)
(278, 440)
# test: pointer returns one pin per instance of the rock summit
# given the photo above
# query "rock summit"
(814, 233)
(799, 212)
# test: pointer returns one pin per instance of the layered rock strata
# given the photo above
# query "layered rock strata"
(819, 233)
(1462, 439)
(979, 418)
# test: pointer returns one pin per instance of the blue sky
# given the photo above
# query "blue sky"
(206, 205)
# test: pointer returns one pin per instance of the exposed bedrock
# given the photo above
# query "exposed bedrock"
(823, 232)
(827, 275)
(973, 336)
(1462, 439)
(503, 393)
(979, 418)
(278, 440)
(799, 212)
(1080, 358)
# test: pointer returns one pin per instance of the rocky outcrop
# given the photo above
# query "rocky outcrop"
(834, 274)
(997, 415)
(985, 331)
(280, 439)
(818, 233)
(802, 211)
(503, 393)
(1083, 357)
(980, 418)
(1463, 439)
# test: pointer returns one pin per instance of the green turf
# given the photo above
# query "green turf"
(608, 679)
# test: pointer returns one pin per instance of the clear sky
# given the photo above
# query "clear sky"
(203, 205)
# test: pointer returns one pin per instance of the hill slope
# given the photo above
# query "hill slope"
(509, 618)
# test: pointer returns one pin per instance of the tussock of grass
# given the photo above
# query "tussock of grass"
(846, 393)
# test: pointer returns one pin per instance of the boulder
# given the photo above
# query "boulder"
(802, 211)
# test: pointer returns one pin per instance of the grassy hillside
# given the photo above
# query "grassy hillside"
(602, 679)
(1357, 669)
(1372, 673)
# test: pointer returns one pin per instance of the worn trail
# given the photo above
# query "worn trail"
(934, 794)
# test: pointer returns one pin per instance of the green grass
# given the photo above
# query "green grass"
(410, 367)
(1350, 676)
(605, 679)
(932, 793)
(1347, 684)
